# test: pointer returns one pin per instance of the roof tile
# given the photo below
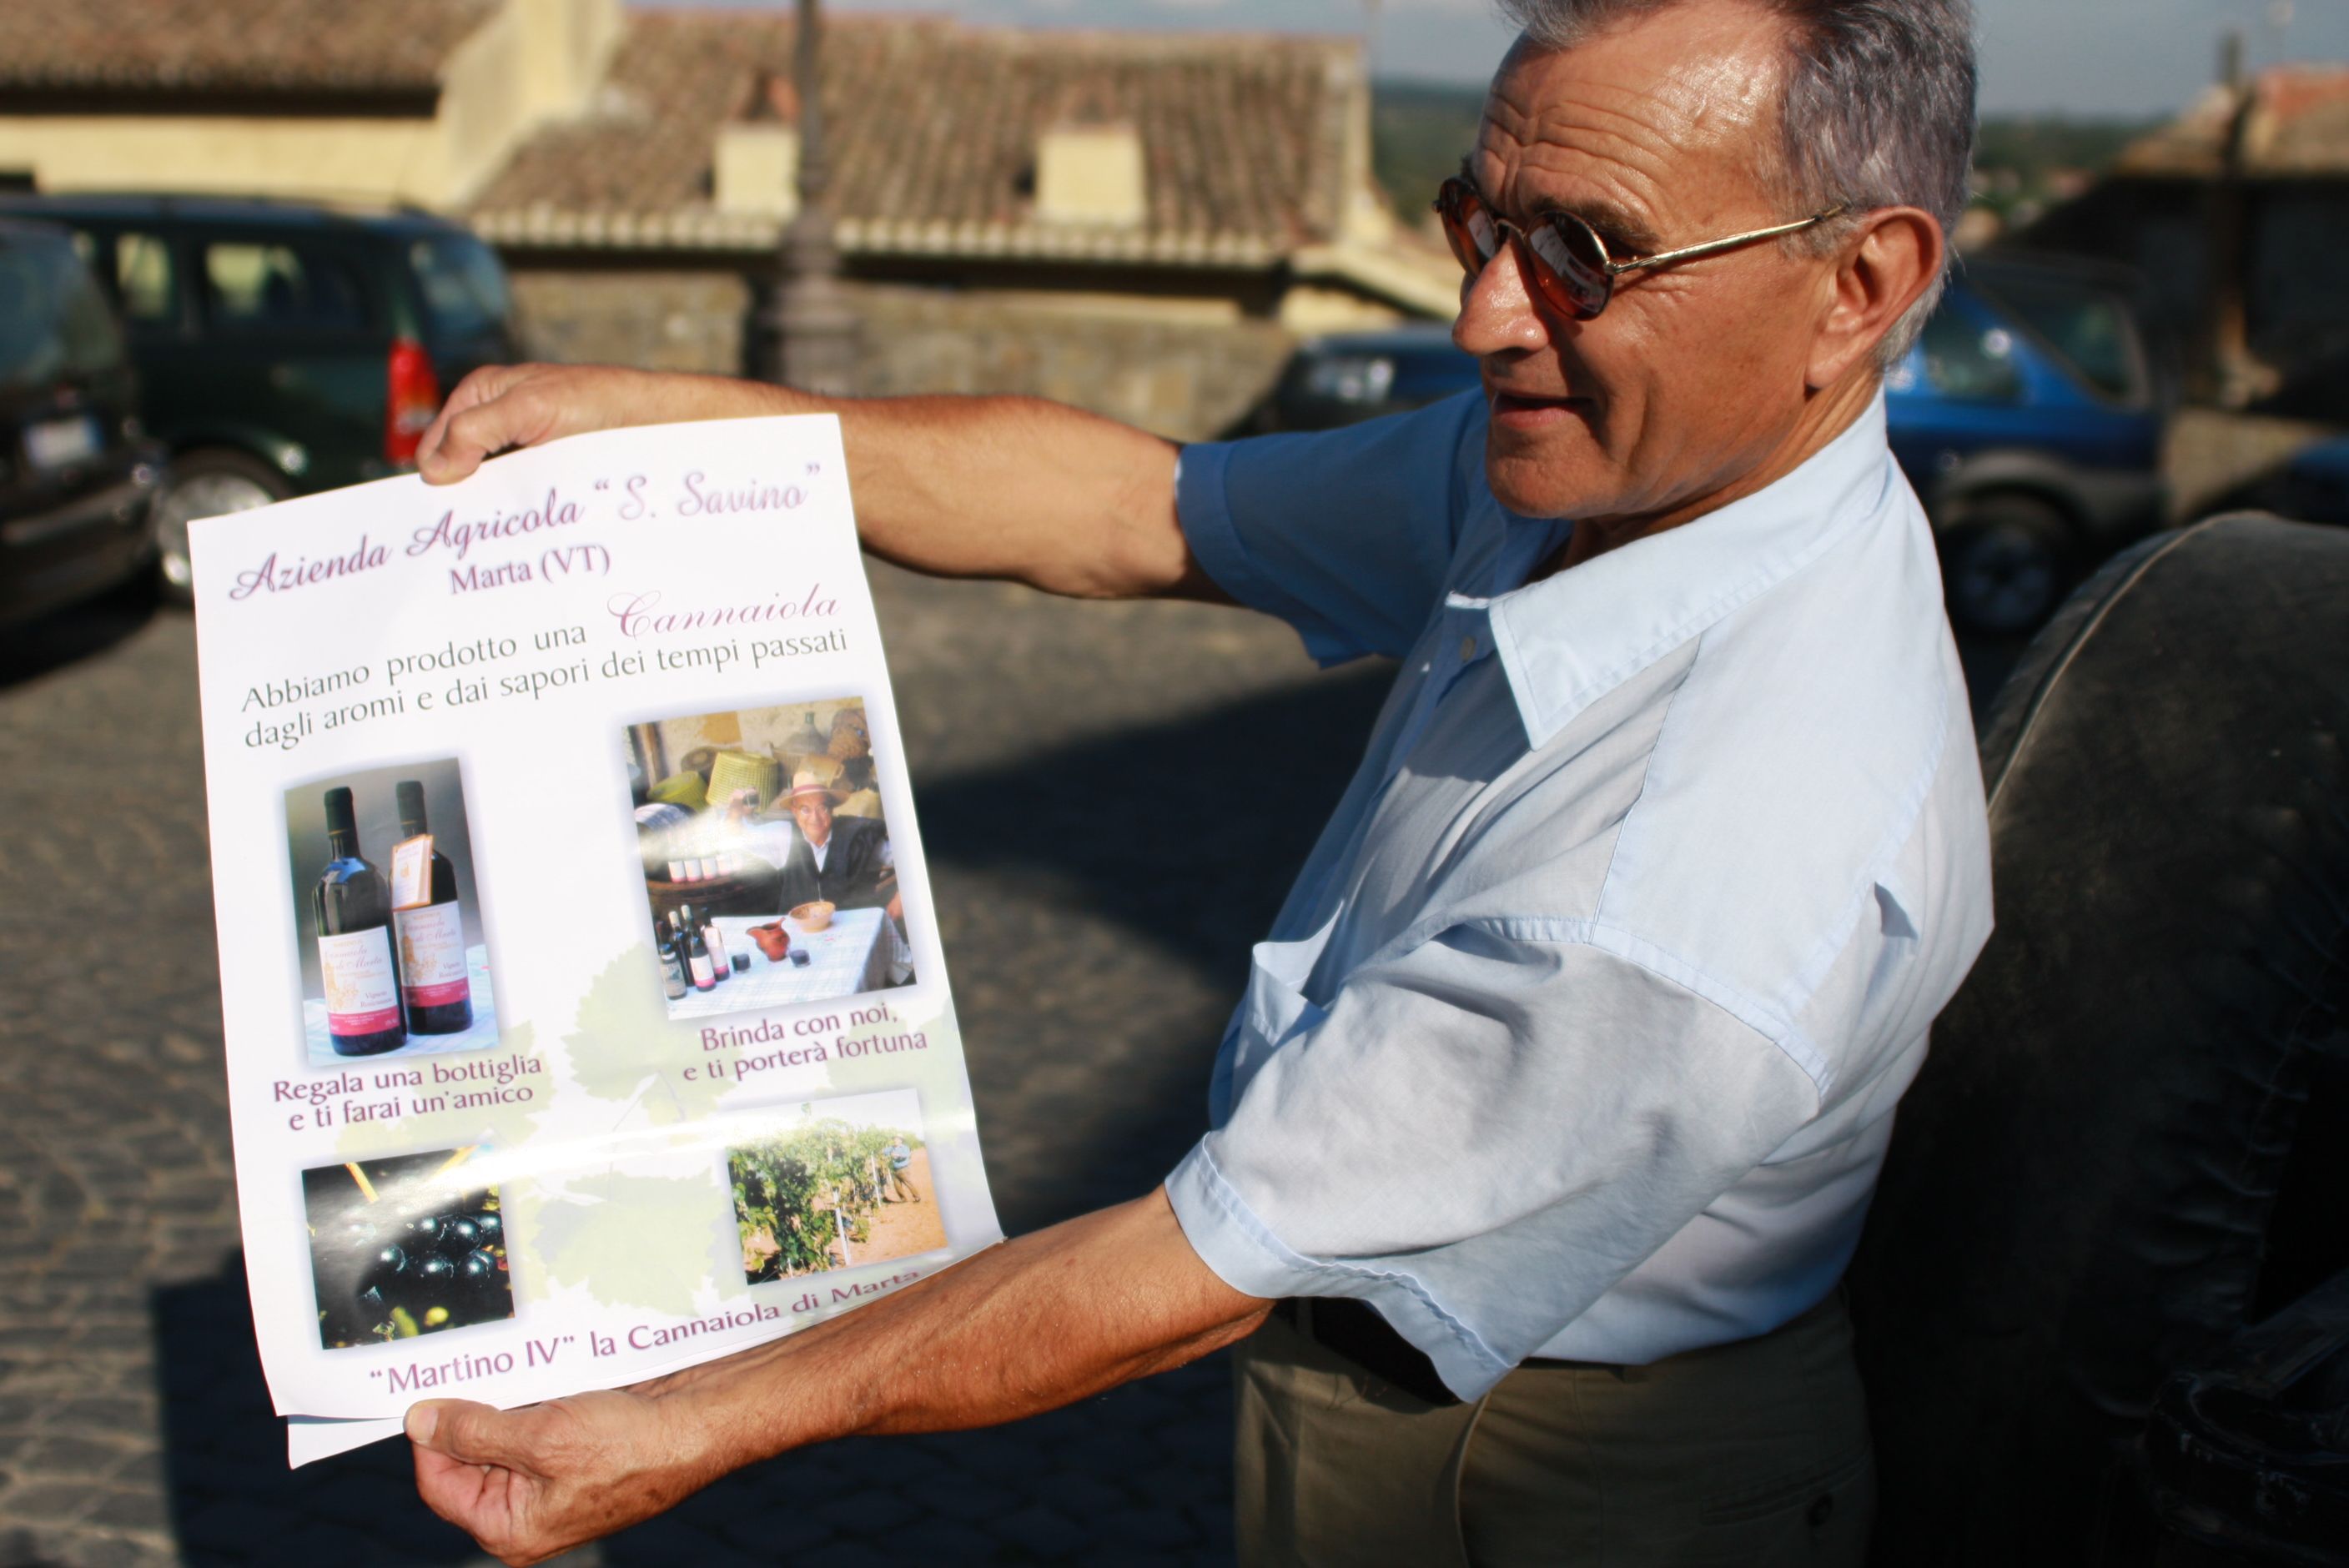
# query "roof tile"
(231, 45)
(934, 127)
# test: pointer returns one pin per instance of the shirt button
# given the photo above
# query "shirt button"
(1467, 650)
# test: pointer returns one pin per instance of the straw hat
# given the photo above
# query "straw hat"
(806, 786)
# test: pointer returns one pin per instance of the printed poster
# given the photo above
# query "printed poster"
(586, 1012)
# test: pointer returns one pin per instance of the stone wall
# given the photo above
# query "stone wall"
(653, 320)
(1187, 368)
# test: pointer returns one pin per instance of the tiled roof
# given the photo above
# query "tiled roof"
(2298, 124)
(933, 130)
(232, 45)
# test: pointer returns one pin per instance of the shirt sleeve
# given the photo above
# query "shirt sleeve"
(1348, 534)
(1482, 1112)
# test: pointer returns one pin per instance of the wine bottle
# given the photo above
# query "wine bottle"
(714, 945)
(351, 908)
(697, 959)
(715, 940)
(673, 981)
(434, 980)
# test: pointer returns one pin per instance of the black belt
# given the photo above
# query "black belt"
(1354, 1330)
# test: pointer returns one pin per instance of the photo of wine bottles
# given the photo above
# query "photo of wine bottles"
(401, 1247)
(387, 915)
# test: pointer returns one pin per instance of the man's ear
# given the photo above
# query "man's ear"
(1884, 269)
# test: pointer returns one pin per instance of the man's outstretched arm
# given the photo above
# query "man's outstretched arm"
(959, 487)
(1021, 1328)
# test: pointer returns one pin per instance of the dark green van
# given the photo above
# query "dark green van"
(283, 347)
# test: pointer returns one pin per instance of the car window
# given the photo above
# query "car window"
(1966, 361)
(143, 279)
(250, 286)
(464, 288)
(59, 323)
(2090, 331)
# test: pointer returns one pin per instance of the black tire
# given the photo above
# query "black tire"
(206, 482)
(2007, 563)
(2127, 1142)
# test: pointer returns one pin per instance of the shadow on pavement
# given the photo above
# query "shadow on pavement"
(1186, 834)
(51, 642)
(231, 1499)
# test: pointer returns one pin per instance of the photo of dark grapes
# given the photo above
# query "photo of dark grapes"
(401, 1247)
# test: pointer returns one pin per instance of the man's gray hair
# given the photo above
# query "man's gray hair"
(1878, 111)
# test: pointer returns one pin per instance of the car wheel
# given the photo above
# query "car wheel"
(2130, 1138)
(2006, 565)
(207, 482)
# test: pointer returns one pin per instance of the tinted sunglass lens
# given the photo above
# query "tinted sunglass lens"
(1467, 227)
(1577, 264)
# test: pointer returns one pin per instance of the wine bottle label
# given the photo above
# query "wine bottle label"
(432, 955)
(362, 989)
(411, 873)
(703, 976)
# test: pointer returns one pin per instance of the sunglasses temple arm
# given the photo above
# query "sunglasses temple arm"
(1690, 253)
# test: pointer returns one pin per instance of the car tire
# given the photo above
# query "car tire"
(206, 482)
(2007, 563)
(2127, 1142)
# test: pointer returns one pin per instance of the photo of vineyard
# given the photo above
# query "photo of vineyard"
(849, 1185)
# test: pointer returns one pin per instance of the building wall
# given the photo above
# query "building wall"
(386, 160)
(656, 319)
(1188, 370)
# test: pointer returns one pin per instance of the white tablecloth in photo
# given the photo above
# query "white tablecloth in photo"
(852, 955)
(481, 1036)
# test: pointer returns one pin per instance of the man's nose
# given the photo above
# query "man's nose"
(1496, 309)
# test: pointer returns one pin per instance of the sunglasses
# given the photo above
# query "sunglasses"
(1563, 255)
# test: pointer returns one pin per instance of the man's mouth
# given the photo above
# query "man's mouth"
(1526, 410)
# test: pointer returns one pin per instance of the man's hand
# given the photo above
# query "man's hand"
(531, 1482)
(502, 406)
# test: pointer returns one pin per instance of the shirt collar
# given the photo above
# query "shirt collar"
(1578, 633)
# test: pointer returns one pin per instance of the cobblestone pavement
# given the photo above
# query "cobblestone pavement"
(1113, 798)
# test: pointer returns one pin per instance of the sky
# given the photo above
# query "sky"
(2087, 58)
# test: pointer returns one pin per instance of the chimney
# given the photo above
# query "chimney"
(564, 47)
(1091, 176)
(755, 165)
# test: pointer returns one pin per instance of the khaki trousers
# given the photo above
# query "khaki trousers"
(1750, 1455)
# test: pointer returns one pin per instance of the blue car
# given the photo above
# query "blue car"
(2029, 415)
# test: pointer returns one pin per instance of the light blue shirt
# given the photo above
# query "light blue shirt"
(1580, 1033)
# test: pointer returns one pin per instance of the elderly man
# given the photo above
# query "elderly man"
(842, 860)
(1548, 1121)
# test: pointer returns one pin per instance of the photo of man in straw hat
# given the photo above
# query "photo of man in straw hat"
(839, 860)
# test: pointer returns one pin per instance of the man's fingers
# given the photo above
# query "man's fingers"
(475, 1434)
(478, 386)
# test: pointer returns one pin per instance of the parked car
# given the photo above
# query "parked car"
(2028, 416)
(284, 347)
(77, 475)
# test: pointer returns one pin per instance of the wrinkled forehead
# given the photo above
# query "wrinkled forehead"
(1663, 120)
